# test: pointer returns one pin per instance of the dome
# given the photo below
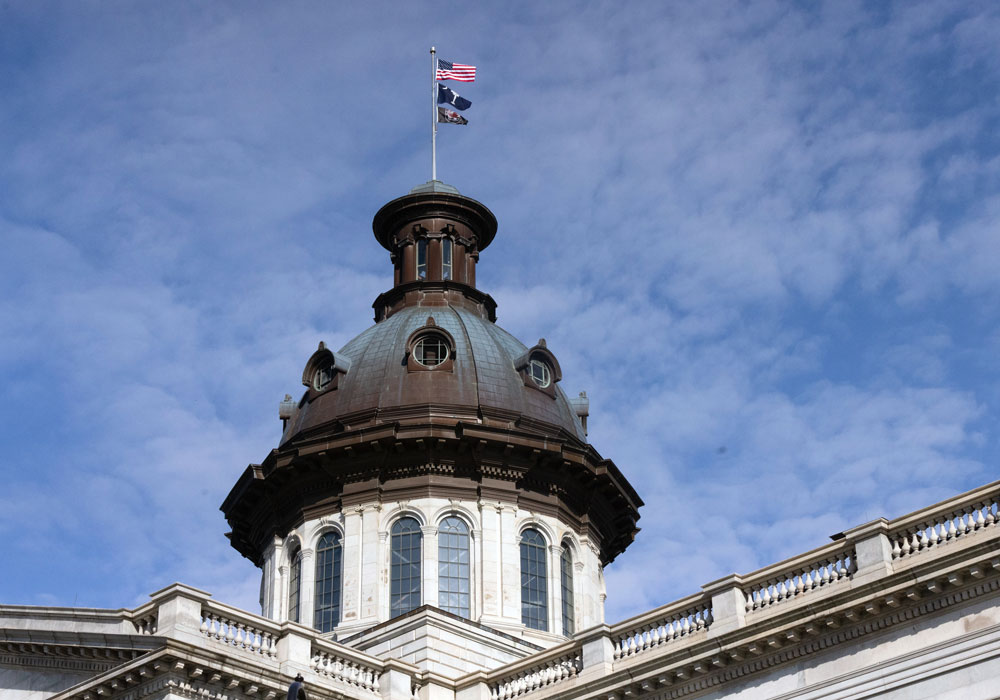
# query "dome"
(480, 384)
(434, 401)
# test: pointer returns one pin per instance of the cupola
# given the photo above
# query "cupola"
(434, 236)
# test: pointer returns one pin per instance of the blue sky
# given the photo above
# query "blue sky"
(762, 236)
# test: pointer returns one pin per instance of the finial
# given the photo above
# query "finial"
(322, 346)
(541, 342)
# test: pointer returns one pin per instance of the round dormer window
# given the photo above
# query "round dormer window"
(430, 350)
(540, 373)
(322, 377)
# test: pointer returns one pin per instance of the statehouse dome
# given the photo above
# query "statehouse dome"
(433, 401)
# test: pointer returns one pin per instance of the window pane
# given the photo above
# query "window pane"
(446, 259)
(328, 577)
(453, 566)
(421, 260)
(566, 575)
(294, 585)
(534, 593)
(405, 570)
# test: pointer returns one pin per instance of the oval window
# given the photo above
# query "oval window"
(540, 373)
(430, 350)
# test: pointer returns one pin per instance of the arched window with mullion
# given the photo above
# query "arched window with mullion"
(294, 584)
(534, 584)
(328, 577)
(566, 578)
(404, 574)
(454, 567)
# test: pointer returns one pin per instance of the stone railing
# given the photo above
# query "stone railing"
(685, 617)
(345, 666)
(144, 619)
(793, 577)
(554, 666)
(958, 518)
(239, 630)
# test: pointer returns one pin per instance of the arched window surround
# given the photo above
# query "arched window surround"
(293, 589)
(568, 561)
(535, 570)
(456, 571)
(321, 615)
(406, 551)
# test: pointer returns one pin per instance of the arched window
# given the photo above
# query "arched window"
(327, 593)
(446, 259)
(453, 566)
(404, 578)
(534, 591)
(294, 584)
(421, 259)
(566, 576)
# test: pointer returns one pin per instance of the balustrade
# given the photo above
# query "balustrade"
(946, 527)
(329, 664)
(540, 675)
(822, 572)
(666, 628)
(145, 624)
(238, 634)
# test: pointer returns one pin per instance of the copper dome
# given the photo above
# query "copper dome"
(435, 398)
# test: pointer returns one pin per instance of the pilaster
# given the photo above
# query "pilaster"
(370, 592)
(350, 609)
(510, 564)
(307, 583)
(554, 576)
(429, 566)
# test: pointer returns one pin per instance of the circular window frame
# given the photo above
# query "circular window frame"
(426, 338)
(546, 371)
(430, 331)
(327, 372)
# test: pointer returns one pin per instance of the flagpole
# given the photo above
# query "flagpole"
(434, 121)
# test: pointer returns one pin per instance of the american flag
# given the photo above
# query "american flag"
(455, 71)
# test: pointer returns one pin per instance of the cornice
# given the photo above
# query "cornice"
(819, 624)
(320, 475)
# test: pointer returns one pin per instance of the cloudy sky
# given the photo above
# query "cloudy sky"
(762, 236)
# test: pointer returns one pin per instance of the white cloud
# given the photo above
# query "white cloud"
(761, 236)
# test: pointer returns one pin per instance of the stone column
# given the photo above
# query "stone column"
(476, 580)
(307, 583)
(382, 557)
(429, 566)
(281, 595)
(582, 617)
(555, 588)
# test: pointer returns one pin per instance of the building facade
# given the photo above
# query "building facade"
(433, 525)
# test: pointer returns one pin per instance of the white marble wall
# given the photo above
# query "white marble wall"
(495, 568)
